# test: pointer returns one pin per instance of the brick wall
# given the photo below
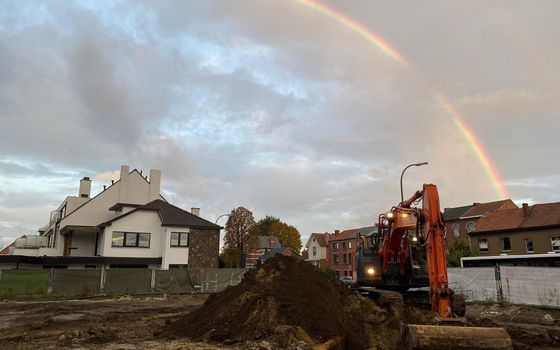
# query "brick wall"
(204, 248)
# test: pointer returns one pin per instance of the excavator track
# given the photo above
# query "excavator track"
(447, 334)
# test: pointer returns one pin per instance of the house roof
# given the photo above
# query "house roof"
(344, 235)
(319, 238)
(264, 242)
(269, 254)
(170, 215)
(455, 213)
(479, 209)
(366, 231)
(538, 215)
(119, 206)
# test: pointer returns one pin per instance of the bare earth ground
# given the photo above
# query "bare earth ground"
(129, 323)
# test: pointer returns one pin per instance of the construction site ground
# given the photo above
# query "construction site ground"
(130, 323)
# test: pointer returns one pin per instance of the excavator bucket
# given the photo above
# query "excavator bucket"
(424, 337)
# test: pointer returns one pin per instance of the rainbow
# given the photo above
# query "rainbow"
(468, 134)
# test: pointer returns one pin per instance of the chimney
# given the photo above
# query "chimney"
(445, 209)
(195, 211)
(271, 241)
(85, 187)
(123, 186)
(475, 204)
(155, 181)
(525, 209)
(336, 232)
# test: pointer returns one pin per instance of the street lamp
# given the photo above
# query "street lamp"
(402, 174)
(221, 216)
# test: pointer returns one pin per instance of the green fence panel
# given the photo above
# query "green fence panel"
(24, 281)
(76, 282)
(216, 280)
(128, 281)
(173, 281)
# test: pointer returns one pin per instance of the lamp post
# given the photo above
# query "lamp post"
(402, 174)
(221, 216)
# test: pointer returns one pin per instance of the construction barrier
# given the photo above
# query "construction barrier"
(116, 281)
(514, 284)
(531, 285)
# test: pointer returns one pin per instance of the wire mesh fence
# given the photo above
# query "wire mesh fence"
(92, 282)
(530, 285)
(477, 284)
(515, 284)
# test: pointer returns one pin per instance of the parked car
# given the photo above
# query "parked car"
(347, 280)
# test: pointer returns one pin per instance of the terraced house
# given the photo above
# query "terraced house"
(127, 224)
(531, 230)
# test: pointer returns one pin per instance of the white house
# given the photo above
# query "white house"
(128, 224)
(316, 246)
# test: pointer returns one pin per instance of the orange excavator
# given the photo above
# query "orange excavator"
(408, 252)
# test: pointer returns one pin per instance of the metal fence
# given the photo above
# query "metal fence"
(515, 284)
(92, 282)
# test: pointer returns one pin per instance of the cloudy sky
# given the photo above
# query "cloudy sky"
(275, 106)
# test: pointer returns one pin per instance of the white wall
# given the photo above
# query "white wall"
(84, 242)
(174, 255)
(321, 251)
(142, 221)
(96, 211)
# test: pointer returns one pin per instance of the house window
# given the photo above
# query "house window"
(344, 259)
(456, 230)
(483, 245)
(506, 244)
(131, 239)
(529, 245)
(335, 245)
(555, 242)
(349, 245)
(63, 212)
(179, 239)
(343, 245)
(314, 251)
(471, 227)
(335, 258)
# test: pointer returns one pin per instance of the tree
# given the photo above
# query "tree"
(263, 226)
(238, 229)
(288, 235)
(457, 251)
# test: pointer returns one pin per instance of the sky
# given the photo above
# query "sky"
(276, 106)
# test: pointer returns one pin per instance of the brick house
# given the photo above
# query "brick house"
(527, 230)
(461, 221)
(258, 247)
(342, 250)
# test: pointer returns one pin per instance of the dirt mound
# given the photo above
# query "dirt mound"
(288, 301)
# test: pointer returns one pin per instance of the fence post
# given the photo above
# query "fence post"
(498, 278)
(51, 280)
(102, 280)
(153, 282)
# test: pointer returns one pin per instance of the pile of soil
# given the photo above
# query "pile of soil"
(287, 301)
